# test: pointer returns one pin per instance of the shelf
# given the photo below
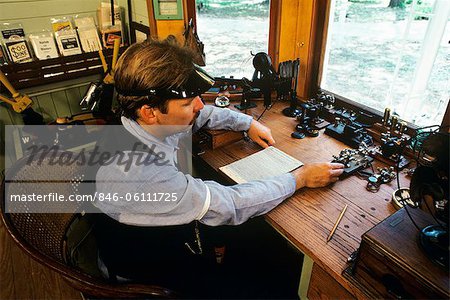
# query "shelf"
(41, 72)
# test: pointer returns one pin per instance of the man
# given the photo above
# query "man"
(159, 96)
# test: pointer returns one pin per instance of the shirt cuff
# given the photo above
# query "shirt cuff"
(243, 122)
(291, 183)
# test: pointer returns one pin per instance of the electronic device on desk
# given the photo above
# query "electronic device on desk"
(430, 188)
(349, 132)
(391, 149)
(287, 85)
(390, 133)
(311, 114)
(308, 118)
(407, 255)
(383, 176)
(353, 160)
(249, 92)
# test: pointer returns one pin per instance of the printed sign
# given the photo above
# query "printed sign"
(18, 51)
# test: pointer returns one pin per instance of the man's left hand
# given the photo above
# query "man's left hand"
(260, 134)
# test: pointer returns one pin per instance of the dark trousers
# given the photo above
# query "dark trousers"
(257, 263)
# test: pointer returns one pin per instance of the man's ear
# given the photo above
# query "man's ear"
(147, 115)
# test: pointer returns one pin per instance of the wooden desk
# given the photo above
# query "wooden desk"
(308, 216)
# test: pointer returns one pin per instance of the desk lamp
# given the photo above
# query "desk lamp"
(430, 188)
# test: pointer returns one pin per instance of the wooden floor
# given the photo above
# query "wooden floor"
(23, 278)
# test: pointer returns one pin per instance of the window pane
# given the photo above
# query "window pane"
(230, 29)
(391, 53)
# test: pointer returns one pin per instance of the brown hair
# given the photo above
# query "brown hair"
(148, 65)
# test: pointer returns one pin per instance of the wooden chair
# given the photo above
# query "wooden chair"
(43, 235)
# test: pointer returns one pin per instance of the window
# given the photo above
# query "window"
(391, 53)
(230, 30)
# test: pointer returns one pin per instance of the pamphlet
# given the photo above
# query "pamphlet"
(68, 42)
(263, 164)
(87, 31)
(43, 45)
(15, 44)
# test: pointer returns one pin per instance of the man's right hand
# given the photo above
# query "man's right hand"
(317, 174)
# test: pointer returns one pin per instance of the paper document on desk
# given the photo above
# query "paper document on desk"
(263, 164)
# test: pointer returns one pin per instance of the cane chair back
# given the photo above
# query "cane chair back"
(43, 235)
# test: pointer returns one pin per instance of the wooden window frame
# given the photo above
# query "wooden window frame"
(319, 34)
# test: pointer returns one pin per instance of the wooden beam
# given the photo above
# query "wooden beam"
(151, 19)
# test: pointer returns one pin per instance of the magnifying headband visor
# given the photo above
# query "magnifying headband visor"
(197, 83)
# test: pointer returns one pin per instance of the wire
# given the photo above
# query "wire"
(414, 143)
(405, 205)
(266, 108)
(432, 214)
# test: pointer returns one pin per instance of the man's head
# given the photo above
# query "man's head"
(158, 79)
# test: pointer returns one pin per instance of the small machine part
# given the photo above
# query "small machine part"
(386, 116)
(385, 175)
(298, 135)
(350, 133)
(222, 101)
(327, 100)
(402, 196)
(394, 122)
(352, 257)
(353, 160)
(249, 92)
(390, 150)
(403, 127)
(307, 130)
(311, 114)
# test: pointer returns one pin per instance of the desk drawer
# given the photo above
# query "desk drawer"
(391, 264)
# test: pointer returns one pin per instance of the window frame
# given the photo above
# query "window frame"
(320, 27)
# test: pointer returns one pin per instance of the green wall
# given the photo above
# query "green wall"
(61, 98)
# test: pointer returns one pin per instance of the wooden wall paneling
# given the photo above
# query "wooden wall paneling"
(274, 32)
(14, 117)
(74, 96)
(22, 275)
(61, 104)
(36, 107)
(190, 12)
(303, 44)
(11, 118)
(168, 27)
(288, 28)
(49, 284)
(48, 109)
(66, 291)
(23, 278)
(6, 266)
(151, 19)
(5, 160)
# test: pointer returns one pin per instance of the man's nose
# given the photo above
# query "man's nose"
(198, 104)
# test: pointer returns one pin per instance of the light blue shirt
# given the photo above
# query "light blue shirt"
(193, 199)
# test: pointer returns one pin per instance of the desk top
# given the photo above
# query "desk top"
(308, 216)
